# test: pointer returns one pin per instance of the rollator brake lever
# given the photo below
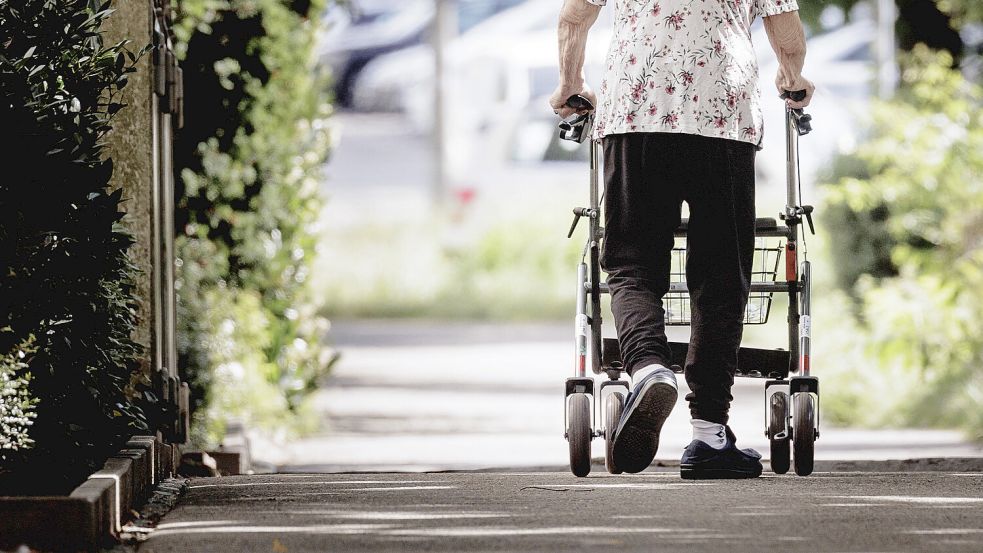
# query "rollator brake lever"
(807, 211)
(794, 216)
(578, 212)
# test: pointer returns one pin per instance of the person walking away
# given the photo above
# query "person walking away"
(679, 118)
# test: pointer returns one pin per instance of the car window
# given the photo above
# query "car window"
(472, 12)
(861, 53)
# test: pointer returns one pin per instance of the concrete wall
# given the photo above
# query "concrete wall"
(131, 145)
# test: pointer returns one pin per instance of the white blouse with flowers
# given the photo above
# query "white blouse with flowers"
(684, 66)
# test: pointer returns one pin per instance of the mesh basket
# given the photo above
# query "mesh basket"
(765, 269)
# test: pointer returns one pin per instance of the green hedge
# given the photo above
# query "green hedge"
(917, 331)
(67, 307)
(248, 165)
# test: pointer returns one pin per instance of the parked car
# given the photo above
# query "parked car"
(361, 30)
(499, 75)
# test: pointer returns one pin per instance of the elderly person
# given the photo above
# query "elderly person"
(680, 120)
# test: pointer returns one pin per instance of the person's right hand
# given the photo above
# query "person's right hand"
(785, 84)
(558, 101)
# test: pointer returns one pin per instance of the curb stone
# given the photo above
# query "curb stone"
(94, 513)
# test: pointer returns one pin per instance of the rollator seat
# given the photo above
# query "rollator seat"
(760, 224)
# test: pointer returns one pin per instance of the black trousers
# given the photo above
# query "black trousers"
(647, 177)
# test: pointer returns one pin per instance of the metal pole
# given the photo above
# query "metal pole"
(791, 165)
(887, 66)
(444, 27)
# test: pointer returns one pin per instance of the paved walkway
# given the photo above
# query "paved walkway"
(510, 511)
(432, 396)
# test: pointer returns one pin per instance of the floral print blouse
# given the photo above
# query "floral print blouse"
(684, 66)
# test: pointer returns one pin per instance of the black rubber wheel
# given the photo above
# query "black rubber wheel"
(613, 407)
(780, 448)
(804, 433)
(579, 433)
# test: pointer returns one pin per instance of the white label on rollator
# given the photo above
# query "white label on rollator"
(805, 327)
(581, 325)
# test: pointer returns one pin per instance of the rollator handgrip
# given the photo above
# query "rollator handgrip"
(577, 127)
(803, 121)
(794, 95)
(579, 103)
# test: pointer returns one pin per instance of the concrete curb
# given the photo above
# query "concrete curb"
(93, 514)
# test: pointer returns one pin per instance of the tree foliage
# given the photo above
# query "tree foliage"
(65, 276)
(249, 162)
(923, 166)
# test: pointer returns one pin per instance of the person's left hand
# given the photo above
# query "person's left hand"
(558, 101)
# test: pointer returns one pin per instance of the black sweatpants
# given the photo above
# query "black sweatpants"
(647, 177)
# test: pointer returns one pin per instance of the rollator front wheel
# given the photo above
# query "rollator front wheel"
(804, 433)
(778, 432)
(614, 406)
(579, 433)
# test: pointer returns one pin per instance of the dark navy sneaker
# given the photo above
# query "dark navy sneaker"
(636, 439)
(700, 461)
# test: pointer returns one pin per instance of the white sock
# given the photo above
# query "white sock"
(641, 373)
(710, 433)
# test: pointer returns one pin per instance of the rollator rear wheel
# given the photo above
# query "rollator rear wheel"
(579, 433)
(777, 426)
(614, 405)
(804, 433)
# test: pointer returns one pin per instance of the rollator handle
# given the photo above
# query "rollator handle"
(579, 103)
(577, 127)
(794, 95)
(803, 121)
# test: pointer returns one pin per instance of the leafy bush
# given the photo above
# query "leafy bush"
(66, 277)
(920, 328)
(248, 163)
(17, 407)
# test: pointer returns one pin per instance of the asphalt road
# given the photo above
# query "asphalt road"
(553, 511)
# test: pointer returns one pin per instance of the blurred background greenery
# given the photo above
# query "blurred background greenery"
(247, 164)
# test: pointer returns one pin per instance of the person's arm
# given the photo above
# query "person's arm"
(789, 43)
(576, 19)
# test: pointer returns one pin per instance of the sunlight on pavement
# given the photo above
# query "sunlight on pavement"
(395, 515)
(400, 488)
(245, 529)
(947, 531)
(562, 530)
(194, 523)
(909, 499)
(630, 486)
(307, 483)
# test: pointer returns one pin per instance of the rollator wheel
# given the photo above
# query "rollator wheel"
(579, 433)
(780, 448)
(614, 405)
(804, 433)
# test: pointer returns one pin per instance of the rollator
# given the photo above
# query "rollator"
(791, 392)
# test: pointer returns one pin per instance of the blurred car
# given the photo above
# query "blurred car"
(840, 62)
(500, 73)
(403, 80)
(361, 30)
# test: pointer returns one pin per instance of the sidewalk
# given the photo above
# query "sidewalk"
(413, 396)
(652, 511)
